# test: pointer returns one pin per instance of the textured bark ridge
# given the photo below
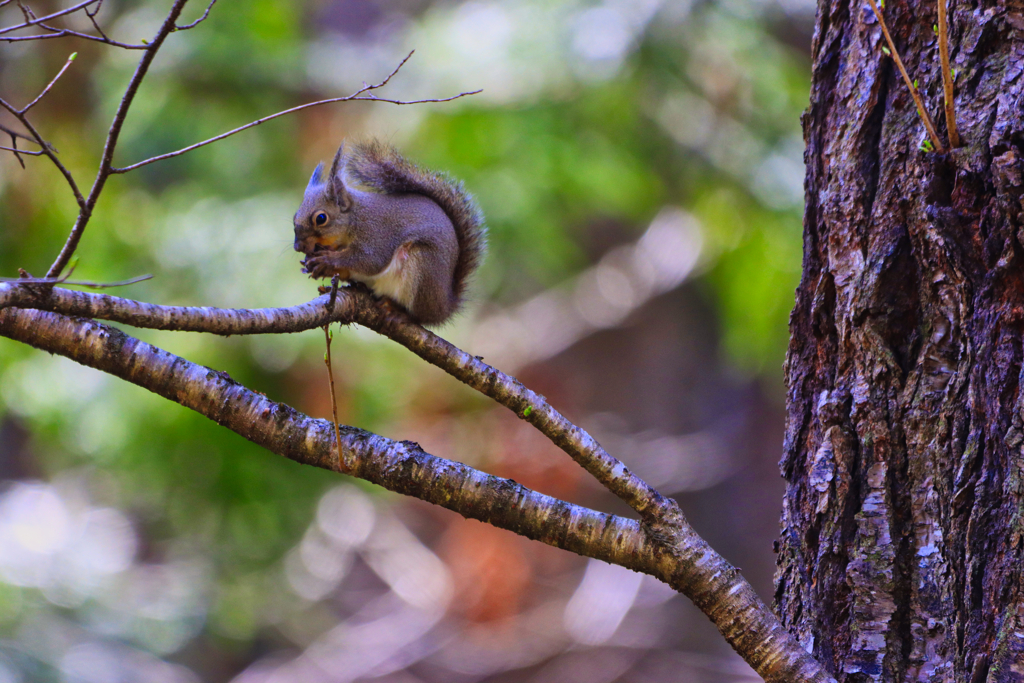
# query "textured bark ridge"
(901, 549)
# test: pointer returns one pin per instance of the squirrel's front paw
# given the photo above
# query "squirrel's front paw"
(324, 264)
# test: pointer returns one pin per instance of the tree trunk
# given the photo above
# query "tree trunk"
(900, 555)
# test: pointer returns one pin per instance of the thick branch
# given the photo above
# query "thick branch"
(685, 561)
(355, 305)
(680, 557)
(398, 466)
(223, 321)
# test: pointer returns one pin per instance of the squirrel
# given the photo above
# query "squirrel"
(413, 235)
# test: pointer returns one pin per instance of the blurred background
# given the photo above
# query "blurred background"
(640, 166)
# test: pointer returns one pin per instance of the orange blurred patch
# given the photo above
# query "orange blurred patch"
(491, 569)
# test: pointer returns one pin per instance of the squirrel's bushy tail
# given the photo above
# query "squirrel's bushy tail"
(381, 168)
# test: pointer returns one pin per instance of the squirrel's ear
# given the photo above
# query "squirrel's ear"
(315, 179)
(339, 160)
(337, 181)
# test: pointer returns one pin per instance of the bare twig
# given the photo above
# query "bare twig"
(947, 77)
(96, 24)
(350, 98)
(31, 20)
(15, 134)
(199, 20)
(27, 152)
(26, 11)
(78, 283)
(48, 150)
(17, 150)
(922, 112)
(342, 465)
(65, 32)
(41, 95)
(20, 114)
(104, 172)
(359, 95)
(14, 145)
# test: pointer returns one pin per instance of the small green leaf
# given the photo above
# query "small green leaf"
(882, 3)
(885, 51)
(927, 146)
(145, 42)
(527, 411)
(915, 82)
(72, 57)
(935, 29)
(325, 356)
(953, 71)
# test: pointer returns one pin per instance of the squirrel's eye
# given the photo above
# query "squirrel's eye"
(320, 218)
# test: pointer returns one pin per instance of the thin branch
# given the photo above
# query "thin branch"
(92, 18)
(197, 21)
(37, 153)
(673, 553)
(65, 32)
(947, 77)
(113, 135)
(102, 38)
(31, 20)
(26, 11)
(20, 114)
(359, 95)
(350, 98)
(48, 150)
(41, 95)
(342, 465)
(921, 111)
(17, 152)
(78, 283)
(14, 133)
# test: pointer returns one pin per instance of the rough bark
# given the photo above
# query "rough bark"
(900, 555)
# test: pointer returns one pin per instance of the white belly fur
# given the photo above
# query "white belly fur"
(398, 281)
